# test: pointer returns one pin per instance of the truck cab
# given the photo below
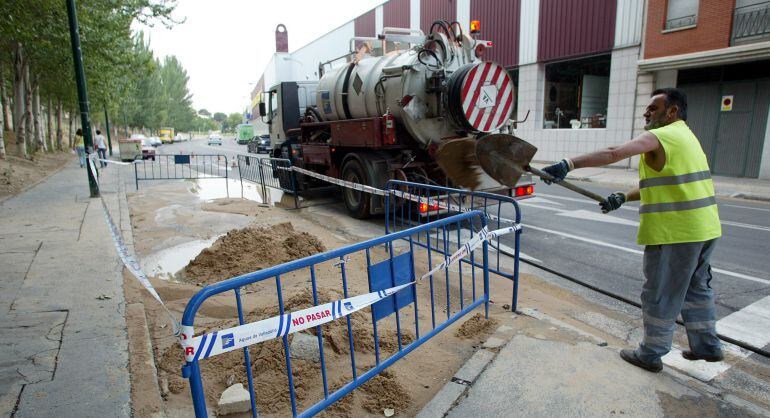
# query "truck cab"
(285, 104)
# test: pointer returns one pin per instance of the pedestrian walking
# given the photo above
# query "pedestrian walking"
(80, 147)
(679, 225)
(101, 148)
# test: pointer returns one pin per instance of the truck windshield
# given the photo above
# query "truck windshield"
(273, 104)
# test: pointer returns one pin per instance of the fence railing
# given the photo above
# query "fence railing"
(751, 23)
(437, 202)
(268, 172)
(393, 323)
(182, 167)
(681, 22)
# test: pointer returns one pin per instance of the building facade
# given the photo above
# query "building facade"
(584, 69)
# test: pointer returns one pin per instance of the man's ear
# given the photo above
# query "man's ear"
(672, 112)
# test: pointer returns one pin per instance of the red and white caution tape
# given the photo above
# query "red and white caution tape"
(218, 342)
(468, 247)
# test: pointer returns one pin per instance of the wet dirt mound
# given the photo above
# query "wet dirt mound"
(475, 326)
(268, 362)
(245, 250)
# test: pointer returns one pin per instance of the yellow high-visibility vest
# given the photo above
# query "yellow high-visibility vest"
(677, 203)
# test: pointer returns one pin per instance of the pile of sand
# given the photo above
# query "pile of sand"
(245, 250)
(268, 363)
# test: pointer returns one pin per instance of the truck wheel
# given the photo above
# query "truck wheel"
(357, 202)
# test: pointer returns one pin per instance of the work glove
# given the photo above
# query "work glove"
(614, 201)
(558, 171)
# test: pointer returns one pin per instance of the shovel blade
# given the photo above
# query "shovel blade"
(458, 160)
(504, 157)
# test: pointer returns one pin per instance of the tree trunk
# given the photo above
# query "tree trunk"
(30, 139)
(71, 132)
(19, 101)
(59, 133)
(7, 123)
(36, 116)
(49, 130)
(2, 134)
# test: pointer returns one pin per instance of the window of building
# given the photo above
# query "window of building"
(576, 93)
(681, 14)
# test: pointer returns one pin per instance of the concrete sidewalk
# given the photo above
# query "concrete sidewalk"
(565, 362)
(735, 187)
(64, 343)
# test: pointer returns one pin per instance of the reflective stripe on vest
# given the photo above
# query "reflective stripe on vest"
(674, 206)
(672, 180)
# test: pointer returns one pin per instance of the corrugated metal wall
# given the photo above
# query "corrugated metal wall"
(575, 28)
(365, 24)
(530, 17)
(499, 24)
(431, 10)
(628, 23)
(395, 14)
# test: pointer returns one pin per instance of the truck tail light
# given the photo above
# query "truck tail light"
(425, 208)
(524, 191)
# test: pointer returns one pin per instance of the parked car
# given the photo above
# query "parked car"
(155, 141)
(215, 139)
(148, 152)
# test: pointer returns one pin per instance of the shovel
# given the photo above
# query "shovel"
(506, 157)
(503, 157)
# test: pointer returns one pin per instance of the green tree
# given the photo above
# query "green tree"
(219, 117)
(204, 113)
(233, 120)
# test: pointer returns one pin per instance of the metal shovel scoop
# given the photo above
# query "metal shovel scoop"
(506, 157)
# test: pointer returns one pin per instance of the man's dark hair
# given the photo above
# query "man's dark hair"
(98, 132)
(674, 97)
(79, 132)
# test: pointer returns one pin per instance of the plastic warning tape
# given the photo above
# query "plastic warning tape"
(223, 341)
(397, 193)
(125, 256)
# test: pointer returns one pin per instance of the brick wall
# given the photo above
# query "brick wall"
(712, 30)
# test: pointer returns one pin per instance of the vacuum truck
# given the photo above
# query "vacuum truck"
(384, 117)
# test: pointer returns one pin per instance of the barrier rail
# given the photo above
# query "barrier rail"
(268, 172)
(182, 167)
(436, 202)
(394, 270)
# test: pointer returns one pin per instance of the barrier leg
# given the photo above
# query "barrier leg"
(192, 372)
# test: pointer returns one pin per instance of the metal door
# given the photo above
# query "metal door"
(732, 140)
(733, 133)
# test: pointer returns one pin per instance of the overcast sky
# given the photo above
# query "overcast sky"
(224, 45)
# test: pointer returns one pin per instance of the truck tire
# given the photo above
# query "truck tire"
(357, 202)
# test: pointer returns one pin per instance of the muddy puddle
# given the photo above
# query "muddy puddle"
(217, 188)
(166, 263)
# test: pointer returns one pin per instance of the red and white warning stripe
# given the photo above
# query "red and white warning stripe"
(487, 95)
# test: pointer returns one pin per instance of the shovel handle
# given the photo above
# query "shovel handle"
(564, 183)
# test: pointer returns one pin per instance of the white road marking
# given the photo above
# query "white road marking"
(747, 207)
(597, 216)
(701, 369)
(750, 325)
(636, 209)
(749, 226)
(538, 199)
(635, 251)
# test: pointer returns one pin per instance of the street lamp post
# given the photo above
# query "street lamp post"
(80, 79)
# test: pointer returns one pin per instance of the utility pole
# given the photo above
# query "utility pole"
(80, 79)
(109, 138)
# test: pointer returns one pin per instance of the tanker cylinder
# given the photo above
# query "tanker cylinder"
(437, 90)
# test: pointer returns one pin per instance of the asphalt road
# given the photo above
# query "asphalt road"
(568, 233)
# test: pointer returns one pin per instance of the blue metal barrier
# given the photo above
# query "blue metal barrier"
(182, 167)
(500, 210)
(268, 172)
(390, 260)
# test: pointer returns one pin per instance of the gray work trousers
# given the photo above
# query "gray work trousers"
(677, 281)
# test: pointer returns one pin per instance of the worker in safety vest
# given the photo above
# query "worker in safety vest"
(679, 225)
